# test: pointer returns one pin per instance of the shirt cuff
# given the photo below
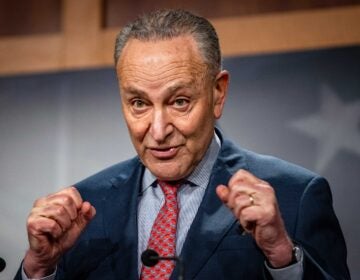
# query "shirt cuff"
(49, 277)
(293, 272)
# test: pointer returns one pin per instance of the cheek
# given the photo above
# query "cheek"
(198, 127)
(205, 119)
(137, 131)
(137, 128)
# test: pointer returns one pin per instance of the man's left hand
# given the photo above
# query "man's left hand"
(254, 204)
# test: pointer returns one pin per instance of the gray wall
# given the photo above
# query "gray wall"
(59, 128)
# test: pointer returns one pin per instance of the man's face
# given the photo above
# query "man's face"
(170, 104)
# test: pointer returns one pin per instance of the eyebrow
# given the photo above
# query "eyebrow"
(130, 90)
(178, 86)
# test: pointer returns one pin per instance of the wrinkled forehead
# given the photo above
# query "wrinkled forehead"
(182, 49)
(150, 61)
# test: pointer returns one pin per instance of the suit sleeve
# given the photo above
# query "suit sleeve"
(318, 232)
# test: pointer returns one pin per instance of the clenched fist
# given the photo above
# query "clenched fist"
(54, 224)
(254, 204)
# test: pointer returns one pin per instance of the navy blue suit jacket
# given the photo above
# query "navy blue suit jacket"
(214, 247)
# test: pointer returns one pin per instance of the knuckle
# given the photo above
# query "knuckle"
(241, 175)
(53, 225)
(38, 202)
(65, 191)
(241, 172)
(237, 177)
(30, 223)
(74, 194)
(67, 200)
(60, 211)
(238, 200)
(73, 190)
(235, 185)
(268, 190)
(35, 227)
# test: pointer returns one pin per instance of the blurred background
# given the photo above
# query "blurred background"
(294, 94)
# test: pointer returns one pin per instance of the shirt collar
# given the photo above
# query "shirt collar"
(201, 174)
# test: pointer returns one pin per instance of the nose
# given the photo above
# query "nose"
(161, 126)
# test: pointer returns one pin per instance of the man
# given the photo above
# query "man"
(229, 213)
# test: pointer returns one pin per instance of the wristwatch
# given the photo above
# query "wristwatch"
(296, 255)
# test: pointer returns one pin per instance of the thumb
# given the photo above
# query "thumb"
(88, 210)
(86, 213)
(222, 192)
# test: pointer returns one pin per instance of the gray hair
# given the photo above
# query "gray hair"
(167, 24)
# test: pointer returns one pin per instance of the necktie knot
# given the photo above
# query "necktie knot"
(168, 189)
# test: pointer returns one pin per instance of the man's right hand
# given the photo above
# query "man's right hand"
(54, 224)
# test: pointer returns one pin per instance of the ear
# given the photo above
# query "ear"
(220, 92)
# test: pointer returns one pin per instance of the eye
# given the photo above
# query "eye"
(138, 103)
(181, 102)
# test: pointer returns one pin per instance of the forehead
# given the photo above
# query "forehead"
(155, 59)
(185, 47)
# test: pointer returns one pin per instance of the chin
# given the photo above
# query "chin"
(168, 176)
(167, 171)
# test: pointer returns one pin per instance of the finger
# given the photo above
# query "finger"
(67, 202)
(88, 210)
(223, 193)
(241, 202)
(69, 198)
(86, 214)
(74, 194)
(261, 193)
(55, 202)
(239, 192)
(250, 217)
(39, 226)
(244, 176)
(55, 212)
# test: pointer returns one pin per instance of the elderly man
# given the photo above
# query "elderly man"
(228, 213)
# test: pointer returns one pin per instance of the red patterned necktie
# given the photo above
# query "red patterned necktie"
(163, 235)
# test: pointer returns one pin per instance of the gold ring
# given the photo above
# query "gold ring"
(251, 198)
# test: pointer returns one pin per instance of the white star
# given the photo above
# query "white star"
(335, 127)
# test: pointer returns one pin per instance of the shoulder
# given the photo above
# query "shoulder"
(104, 179)
(268, 168)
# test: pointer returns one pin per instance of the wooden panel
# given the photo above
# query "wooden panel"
(24, 17)
(289, 31)
(82, 27)
(30, 54)
(117, 13)
(84, 44)
(280, 32)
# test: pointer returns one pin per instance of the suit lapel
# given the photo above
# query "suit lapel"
(120, 221)
(210, 225)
